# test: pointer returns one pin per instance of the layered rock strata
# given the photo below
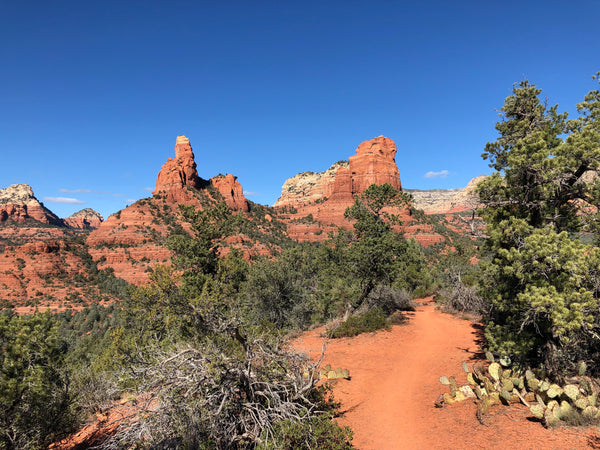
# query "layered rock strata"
(439, 201)
(85, 219)
(231, 191)
(17, 203)
(373, 163)
(316, 202)
(132, 240)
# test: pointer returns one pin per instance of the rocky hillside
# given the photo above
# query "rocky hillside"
(133, 240)
(43, 259)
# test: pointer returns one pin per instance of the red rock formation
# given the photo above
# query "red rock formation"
(126, 241)
(180, 173)
(323, 197)
(374, 163)
(132, 240)
(17, 203)
(85, 219)
(232, 191)
(315, 202)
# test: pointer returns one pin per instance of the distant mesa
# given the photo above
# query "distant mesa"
(315, 202)
(438, 201)
(18, 204)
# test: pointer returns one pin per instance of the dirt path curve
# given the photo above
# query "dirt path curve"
(389, 401)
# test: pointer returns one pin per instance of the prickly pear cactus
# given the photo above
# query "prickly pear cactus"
(575, 402)
(329, 374)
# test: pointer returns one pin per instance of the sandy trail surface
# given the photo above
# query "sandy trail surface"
(389, 400)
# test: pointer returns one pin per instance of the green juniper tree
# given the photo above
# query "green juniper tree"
(35, 400)
(380, 254)
(542, 279)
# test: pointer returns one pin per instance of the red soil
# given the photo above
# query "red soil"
(389, 400)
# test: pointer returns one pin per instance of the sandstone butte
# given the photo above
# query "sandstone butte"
(17, 203)
(130, 240)
(315, 202)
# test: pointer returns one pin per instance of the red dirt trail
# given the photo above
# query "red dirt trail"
(389, 400)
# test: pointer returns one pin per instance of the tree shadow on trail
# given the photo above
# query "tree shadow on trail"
(480, 341)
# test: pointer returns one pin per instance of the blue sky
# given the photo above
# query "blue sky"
(93, 93)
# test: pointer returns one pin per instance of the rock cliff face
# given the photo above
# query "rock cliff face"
(231, 190)
(179, 172)
(374, 163)
(316, 201)
(309, 187)
(439, 201)
(85, 219)
(178, 178)
(17, 203)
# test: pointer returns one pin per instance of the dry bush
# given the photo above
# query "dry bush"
(204, 397)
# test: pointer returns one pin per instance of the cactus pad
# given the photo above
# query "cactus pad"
(554, 390)
(505, 396)
(467, 391)
(507, 385)
(495, 371)
(571, 391)
(590, 412)
(537, 411)
(533, 384)
(582, 403)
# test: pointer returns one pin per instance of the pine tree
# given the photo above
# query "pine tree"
(542, 280)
